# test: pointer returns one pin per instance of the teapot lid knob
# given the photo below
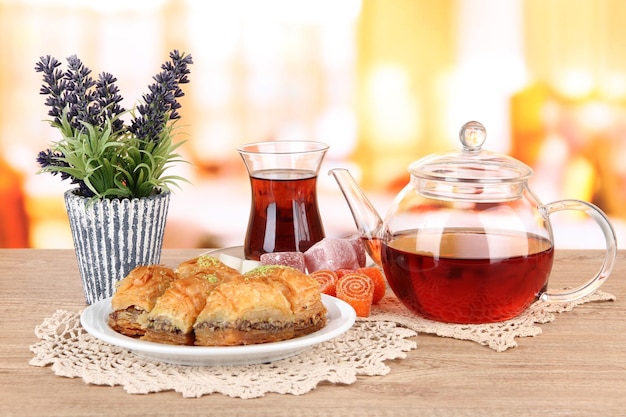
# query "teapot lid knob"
(472, 136)
(440, 175)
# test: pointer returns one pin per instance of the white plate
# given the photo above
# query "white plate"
(341, 317)
(232, 251)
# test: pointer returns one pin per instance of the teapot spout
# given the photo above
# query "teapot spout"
(368, 222)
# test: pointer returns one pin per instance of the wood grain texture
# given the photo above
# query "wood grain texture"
(577, 366)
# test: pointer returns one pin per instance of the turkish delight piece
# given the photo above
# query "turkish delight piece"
(331, 253)
(359, 249)
(292, 259)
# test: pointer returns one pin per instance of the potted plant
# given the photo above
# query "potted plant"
(117, 160)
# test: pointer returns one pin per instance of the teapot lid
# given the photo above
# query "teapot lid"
(471, 164)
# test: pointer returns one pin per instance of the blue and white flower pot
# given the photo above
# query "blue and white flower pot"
(112, 237)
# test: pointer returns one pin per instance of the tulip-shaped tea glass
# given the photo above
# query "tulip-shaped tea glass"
(284, 214)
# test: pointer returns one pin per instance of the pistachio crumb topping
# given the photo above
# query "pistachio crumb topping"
(207, 260)
(212, 278)
(264, 269)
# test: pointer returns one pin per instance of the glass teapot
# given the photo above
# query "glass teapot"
(467, 241)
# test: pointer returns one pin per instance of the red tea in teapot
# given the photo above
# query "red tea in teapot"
(467, 276)
(284, 214)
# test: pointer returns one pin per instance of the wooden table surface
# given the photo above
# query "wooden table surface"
(577, 366)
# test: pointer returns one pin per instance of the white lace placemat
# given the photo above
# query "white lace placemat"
(362, 350)
(498, 336)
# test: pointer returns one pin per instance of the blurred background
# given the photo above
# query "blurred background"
(383, 82)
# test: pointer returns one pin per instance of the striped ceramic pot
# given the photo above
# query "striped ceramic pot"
(112, 236)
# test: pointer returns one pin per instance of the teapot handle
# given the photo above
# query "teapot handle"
(609, 259)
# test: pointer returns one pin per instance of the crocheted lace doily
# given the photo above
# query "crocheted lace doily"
(362, 350)
(498, 336)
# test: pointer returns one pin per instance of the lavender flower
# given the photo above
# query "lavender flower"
(54, 86)
(79, 95)
(108, 99)
(86, 100)
(160, 105)
(49, 159)
(98, 152)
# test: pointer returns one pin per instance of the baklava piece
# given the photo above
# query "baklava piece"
(303, 293)
(172, 318)
(136, 296)
(206, 266)
(268, 304)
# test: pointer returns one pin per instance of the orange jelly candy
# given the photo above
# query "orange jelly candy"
(357, 290)
(343, 271)
(327, 280)
(378, 278)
